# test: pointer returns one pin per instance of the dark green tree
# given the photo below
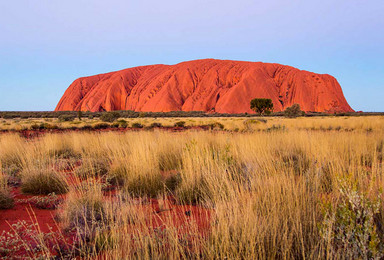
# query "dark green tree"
(262, 105)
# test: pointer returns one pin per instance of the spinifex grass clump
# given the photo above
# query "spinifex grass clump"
(84, 208)
(93, 167)
(170, 157)
(65, 153)
(297, 159)
(6, 199)
(43, 181)
(88, 216)
(208, 172)
(136, 181)
(12, 153)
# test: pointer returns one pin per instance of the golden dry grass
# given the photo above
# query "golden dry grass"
(267, 186)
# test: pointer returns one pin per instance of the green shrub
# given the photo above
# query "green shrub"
(35, 127)
(154, 125)
(180, 124)
(115, 125)
(43, 126)
(293, 111)
(66, 118)
(142, 114)
(122, 123)
(137, 125)
(109, 116)
(216, 125)
(350, 226)
(86, 127)
(101, 126)
(43, 182)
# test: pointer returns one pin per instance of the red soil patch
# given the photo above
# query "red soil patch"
(25, 211)
(158, 215)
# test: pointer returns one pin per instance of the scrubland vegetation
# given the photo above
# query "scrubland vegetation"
(250, 189)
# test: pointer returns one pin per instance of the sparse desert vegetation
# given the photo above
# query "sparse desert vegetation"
(244, 188)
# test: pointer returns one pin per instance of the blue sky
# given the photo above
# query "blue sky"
(46, 44)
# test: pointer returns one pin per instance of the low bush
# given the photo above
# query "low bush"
(155, 125)
(42, 126)
(216, 126)
(115, 125)
(137, 125)
(180, 124)
(86, 127)
(42, 182)
(351, 226)
(101, 126)
(122, 123)
(66, 118)
(109, 116)
(293, 111)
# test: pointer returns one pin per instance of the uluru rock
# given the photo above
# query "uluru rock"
(222, 86)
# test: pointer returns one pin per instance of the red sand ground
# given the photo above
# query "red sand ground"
(180, 216)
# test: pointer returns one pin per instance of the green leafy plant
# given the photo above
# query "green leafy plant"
(350, 226)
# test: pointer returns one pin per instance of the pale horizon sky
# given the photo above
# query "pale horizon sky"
(46, 44)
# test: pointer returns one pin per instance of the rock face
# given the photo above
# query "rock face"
(209, 85)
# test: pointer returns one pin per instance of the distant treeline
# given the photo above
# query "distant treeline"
(134, 114)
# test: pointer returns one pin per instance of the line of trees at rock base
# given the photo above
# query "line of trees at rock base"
(262, 107)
